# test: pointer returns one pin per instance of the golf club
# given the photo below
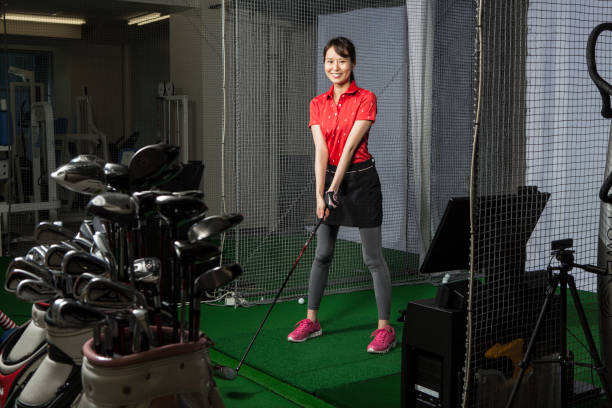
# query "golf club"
(280, 290)
(212, 226)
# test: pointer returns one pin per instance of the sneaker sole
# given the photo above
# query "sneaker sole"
(392, 345)
(310, 336)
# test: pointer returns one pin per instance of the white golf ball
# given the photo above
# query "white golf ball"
(301, 301)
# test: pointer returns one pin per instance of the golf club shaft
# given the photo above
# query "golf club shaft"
(279, 292)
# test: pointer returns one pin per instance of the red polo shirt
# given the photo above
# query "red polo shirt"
(336, 121)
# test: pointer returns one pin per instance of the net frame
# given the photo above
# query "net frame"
(521, 27)
(234, 194)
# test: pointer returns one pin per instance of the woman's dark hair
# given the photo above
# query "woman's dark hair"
(344, 47)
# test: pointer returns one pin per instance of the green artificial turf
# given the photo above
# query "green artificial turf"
(243, 393)
(576, 340)
(272, 384)
(327, 366)
(379, 392)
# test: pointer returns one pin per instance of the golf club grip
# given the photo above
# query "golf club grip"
(605, 89)
(279, 293)
(605, 190)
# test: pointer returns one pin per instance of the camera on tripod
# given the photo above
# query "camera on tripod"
(561, 244)
(564, 281)
(566, 257)
(561, 252)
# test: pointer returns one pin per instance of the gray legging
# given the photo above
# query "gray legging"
(371, 242)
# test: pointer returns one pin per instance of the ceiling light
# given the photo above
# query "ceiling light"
(140, 19)
(45, 19)
(154, 19)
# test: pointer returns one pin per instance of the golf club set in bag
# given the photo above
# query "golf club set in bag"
(110, 325)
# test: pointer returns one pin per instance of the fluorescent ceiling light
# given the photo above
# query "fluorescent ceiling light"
(45, 19)
(154, 19)
(140, 19)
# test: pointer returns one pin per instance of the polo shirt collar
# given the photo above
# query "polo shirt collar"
(353, 88)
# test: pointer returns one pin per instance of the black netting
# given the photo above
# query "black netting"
(540, 148)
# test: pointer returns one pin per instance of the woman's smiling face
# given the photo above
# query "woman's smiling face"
(337, 68)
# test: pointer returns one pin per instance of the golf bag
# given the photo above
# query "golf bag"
(57, 381)
(170, 376)
(21, 354)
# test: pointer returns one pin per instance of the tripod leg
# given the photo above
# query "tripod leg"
(589, 338)
(524, 363)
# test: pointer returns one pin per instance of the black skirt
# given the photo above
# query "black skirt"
(360, 196)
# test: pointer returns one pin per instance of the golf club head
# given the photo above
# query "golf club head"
(55, 254)
(86, 230)
(213, 226)
(84, 177)
(152, 164)
(216, 278)
(15, 276)
(146, 201)
(188, 252)
(88, 158)
(176, 209)
(34, 291)
(108, 294)
(101, 243)
(70, 314)
(116, 207)
(147, 270)
(200, 267)
(189, 193)
(80, 282)
(82, 243)
(48, 233)
(76, 263)
(98, 225)
(37, 254)
(32, 267)
(117, 176)
(227, 373)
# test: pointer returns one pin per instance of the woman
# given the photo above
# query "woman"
(348, 184)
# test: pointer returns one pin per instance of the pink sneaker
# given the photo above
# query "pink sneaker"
(384, 340)
(305, 329)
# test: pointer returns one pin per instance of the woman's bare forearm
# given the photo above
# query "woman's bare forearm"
(321, 158)
(360, 128)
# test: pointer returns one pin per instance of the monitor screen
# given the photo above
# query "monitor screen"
(450, 247)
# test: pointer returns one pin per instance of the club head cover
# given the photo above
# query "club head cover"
(332, 200)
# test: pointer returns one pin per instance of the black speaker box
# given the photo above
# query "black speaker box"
(433, 354)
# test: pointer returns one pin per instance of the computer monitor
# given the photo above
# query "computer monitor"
(507, 221)
(450, 248)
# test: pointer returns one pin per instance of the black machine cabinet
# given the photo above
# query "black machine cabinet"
(433, 355)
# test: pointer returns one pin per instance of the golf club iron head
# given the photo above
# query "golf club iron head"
(70, 314)
(48, 233)
(15, 276)
(32, 267)
(34, 291)
(76, 263)
(108, 294)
